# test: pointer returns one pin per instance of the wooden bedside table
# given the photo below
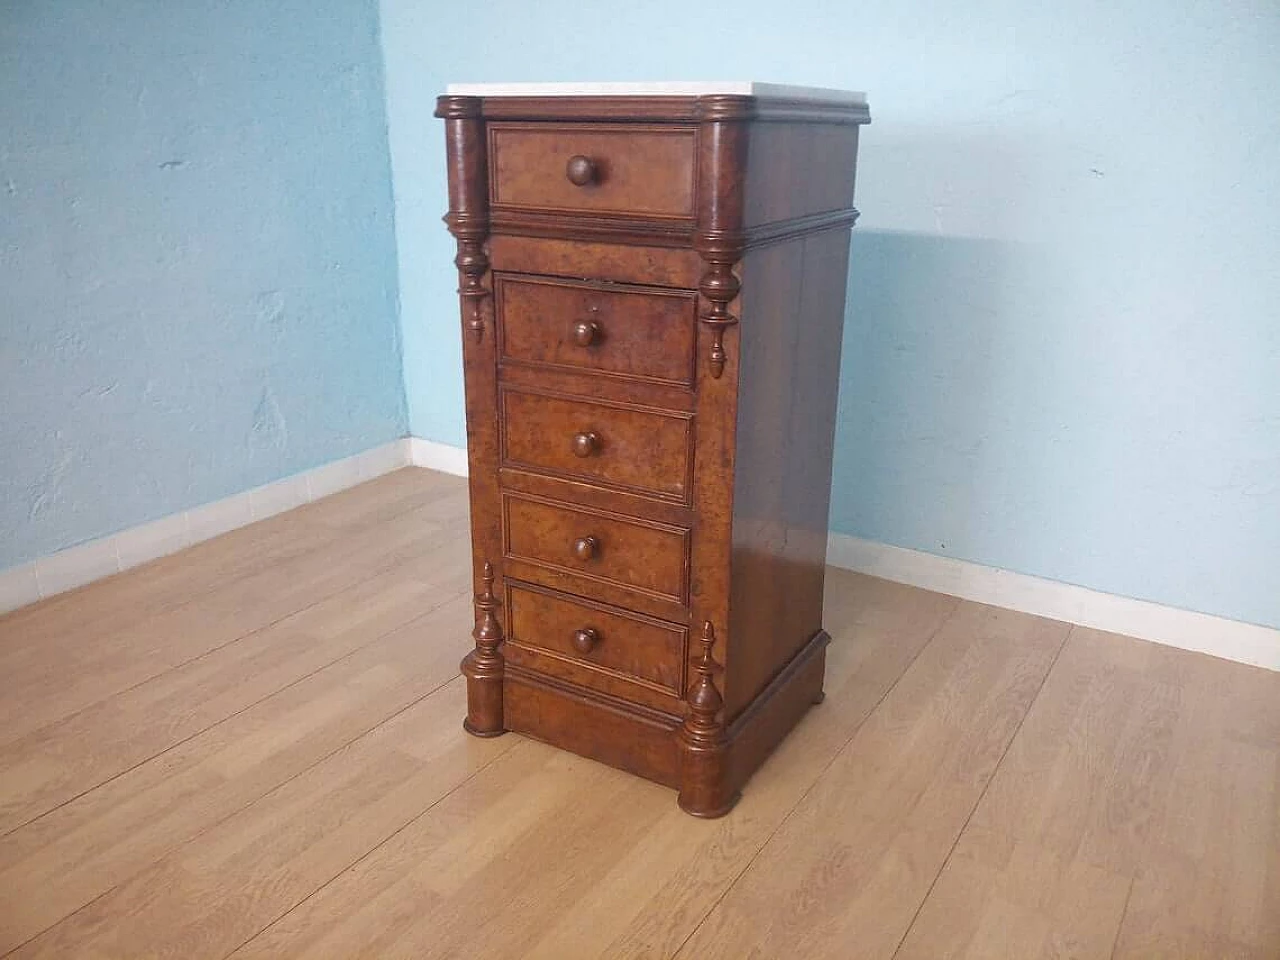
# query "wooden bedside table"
(652, 280)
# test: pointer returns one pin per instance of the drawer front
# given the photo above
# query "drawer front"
(637, 333)
(646, 170)
(623, 446)
(606, 640)
(599, 546)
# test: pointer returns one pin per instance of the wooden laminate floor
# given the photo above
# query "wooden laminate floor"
(253, 749)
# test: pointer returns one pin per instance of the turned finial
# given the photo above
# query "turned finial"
(705, 700)
(488, 631)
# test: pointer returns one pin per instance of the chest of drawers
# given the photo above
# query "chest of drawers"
(652, 283)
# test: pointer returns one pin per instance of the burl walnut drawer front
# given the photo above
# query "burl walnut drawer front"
(631, 448)
(646, 170)
(638, 554)
(600, 638)
(633, 332)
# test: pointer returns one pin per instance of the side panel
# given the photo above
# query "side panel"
(797, 212)
(793, 301)
(793, 170)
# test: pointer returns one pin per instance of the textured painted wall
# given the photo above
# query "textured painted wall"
(197, 259)
(1063, 343)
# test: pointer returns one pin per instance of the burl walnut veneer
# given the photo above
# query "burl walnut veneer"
(652, 285)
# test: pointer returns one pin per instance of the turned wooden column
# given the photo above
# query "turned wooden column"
(720, 241)
(705, 790)
(719, 237)
(468, 221)
(483, 666)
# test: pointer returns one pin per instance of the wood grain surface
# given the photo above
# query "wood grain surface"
(252, 749)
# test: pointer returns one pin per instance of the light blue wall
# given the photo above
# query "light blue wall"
(197, 260)
(1062, 354)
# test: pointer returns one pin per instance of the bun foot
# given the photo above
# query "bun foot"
(477, 732)
(713, 813)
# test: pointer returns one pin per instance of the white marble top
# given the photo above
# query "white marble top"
(679, 88)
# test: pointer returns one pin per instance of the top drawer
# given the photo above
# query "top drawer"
(646, 170)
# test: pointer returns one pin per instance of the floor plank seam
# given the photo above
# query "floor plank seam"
(821, 773)
(1144, 850)
(231, 813)
(224, 809)
(177, 666)
(1124, 912)
(982, 796)
(35, 936)
(190, 660)
(515, 741)
(70, 597)
(230, 716)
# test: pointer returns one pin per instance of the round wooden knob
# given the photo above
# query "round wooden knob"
(585, 333)
(585, 548)
(585, 640)
(585, 443)
(580, 170)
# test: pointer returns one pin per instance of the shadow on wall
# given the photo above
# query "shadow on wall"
(1001, 405)
(941, 389)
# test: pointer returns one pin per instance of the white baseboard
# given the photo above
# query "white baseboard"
(1186, 629)
(1218, 636)
(438, 456)
(76, 566)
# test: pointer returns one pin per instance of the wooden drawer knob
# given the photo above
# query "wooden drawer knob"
(586, 548)
(580, 170)
(586, 443)
(586, 333)
(585, 640)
